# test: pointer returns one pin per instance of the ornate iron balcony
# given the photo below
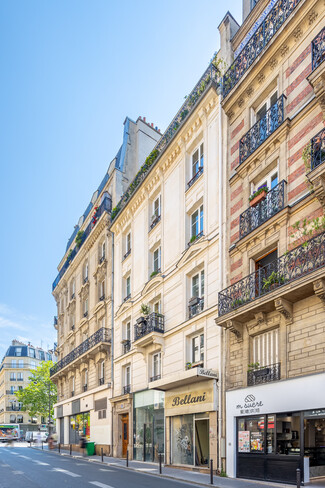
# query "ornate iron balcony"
(126, 389)
(101, 259)
(128, 296)
(105, 206)
(257, 43)
(127, 254)
(264, 374)
(102, 298)
(126, 346)
(196, 305)
(293, 265)
(155, 219)
(317, 149)
(85, 387)
(101, 381)
(318, 49)
(195, 177)
(262, 129)
(101, 335)
(86, 314)
(155, 378)
(253, 217)
(155, 322)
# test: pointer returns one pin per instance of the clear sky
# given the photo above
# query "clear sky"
(71, 70)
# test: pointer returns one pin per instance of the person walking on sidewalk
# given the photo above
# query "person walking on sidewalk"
(83, 445)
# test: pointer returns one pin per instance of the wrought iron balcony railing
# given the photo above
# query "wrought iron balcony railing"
(257, 43)
(101, 381)
(155, 378)
(262, 129)
(155, 219)
(128, 252)
(295, 264)
(126, 346)
(253, 217)
(195, 238)
(101, 335)
(318, 49)
(317, 149)
(155, 322)
(264, 374)
(209, 78)
(105, 206)
(196, 307)
(126, 389)
(195, 177)
(55, 320)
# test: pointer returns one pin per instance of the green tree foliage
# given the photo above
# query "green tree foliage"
(40, 392)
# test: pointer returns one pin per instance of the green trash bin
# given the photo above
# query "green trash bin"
(90, 446)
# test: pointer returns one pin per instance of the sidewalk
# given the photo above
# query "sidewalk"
(182, 475)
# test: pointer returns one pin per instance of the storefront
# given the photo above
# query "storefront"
(191, 424)
(148, 425)
(275, 428)
(79, 427)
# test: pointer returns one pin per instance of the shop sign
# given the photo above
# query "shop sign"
(189, 400)
(250, 405)
(207, 372)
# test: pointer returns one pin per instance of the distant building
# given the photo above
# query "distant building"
(16, 367)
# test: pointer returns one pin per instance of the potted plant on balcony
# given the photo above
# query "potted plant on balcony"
(79, 238)
(252, 366)
(258, 196)
(188, 365)
(273, 281)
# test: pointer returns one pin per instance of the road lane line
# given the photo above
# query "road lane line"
(107, 470)
(25, 457)
(40, 463)
(146, 469)
(17, 472)
(101, 485)
(65, 471)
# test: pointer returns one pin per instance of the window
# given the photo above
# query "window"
(72, 322)
(128, 331)
(12, 418)
(12, 376)
(20, 377)
(86, 270)
(197, 222)
(41, 355)
(156, 366)
(128, 242)
(102, 255)
(264, 107)
(18, 351)
(128, 287)
(21, 363)
(33, 364)
(12, 390)
(85, 379)
(156, 207)
(102, 290)
(31, 353)
(265, 348)
(157, 307)
(101, 372)
(127, 376)
(197, 160)
(269, 181)
(156, 260)
(13, 363)
(197, 349)
(20, 419)
(198, 285)
(72, 386)
(86, 307)
(73, 289)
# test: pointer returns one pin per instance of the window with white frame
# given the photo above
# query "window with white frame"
(197, 160)
(197, 284)
(197, 349)
(85, 379)
(197, 222)
(20, 363)
(265, 348)
(86, 270)
(20, 376)
(18, 351)
(269, 181)
(267, 103)
(85, 307)
(72, 384)
(72, 322)
(128, 331)
(102, 251)
(156, 258)
(13, 363)
(156, 307)
(101, 290)
(128, 242)
(73, 289)
(128, 287)
(156, 207)
(127, 376)
(156, 366)
(101, 372)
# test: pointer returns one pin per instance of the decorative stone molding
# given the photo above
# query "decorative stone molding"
(260, 318)
(285, 308)
(260, 78)
(297, 33)
(284, 50)
(250, 91)
(319, 289)
(273, 63)
(312, 16)
(236, 328)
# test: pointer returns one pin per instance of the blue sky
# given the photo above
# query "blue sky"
(71, 70)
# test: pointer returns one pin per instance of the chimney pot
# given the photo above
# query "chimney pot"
(144, 119)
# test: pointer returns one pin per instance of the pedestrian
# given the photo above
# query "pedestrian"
(38, 439)
(83, 444)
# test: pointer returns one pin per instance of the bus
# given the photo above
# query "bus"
(9, 432)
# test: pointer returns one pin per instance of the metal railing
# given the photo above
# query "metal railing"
(101, 335)
(262, 129)
(102, 259)
(253, 217)
(13, 409)
(264, 374)
(102, 298)
(317, 149)
(126, 346)
(126, 389)
(195, 177)
(196, 307)
(195, 238)
(55, 322)
(85, 387)
(257, 43)
(155, 322)
(155, 378)
(86, 314)
(101, 381)
(105, 206)
(155, 219)
(318, 49)
(295, 264)
(127, 254)
(125, 299)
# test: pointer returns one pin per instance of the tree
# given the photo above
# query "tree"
(40, 395)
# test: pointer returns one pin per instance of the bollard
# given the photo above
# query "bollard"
(298, 477)
(127, 458)
(42, 445)
(70, 449)
(101, 451)
(160, 459)
(211, 471)
(59, 447)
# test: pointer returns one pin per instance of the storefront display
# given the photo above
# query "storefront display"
(79, 427)
(149, 425)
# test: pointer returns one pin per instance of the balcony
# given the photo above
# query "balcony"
(101, 259)
(155, 219)
(126, 389)
(55, 322)
(155, 322)
(127, 254)
(253, 217)
(195, 177)
(85, 388)
(86, 314)
(102, 298)
(105, 206)
(155, 378)
(294, 266)
(318, 49)
(195, 306)
(262, 129)
(257, 43)
(264, 374)
(126, 345)
(102, 335)
(195, 238)
(101, 381)
(317, 149)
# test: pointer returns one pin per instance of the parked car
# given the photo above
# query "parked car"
(32, 436)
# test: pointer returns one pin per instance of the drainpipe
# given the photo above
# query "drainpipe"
(112, 339)
(221, 274)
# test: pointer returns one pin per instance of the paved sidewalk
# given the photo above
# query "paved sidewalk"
(182, 475)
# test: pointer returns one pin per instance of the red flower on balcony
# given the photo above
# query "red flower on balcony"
(95, 216)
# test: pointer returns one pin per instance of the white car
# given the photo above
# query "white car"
(32, 436)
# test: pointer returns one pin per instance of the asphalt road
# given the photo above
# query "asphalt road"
(21, 467)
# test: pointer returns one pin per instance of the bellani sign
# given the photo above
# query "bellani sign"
(177, 400)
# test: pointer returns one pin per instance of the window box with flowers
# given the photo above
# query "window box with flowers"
(258, 196)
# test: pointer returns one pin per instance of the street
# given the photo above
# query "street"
(23, 467)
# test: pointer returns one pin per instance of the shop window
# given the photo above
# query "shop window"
(182, 439)
(79, 427)
(288, 433)
(265, 348)
(251, 434)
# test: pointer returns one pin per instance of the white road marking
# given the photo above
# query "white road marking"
(101, 485)
(65, 471)
(25, 457)
(146, 469)
(40, 463)
(5, 465)
(17, 472)
(107, 470)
